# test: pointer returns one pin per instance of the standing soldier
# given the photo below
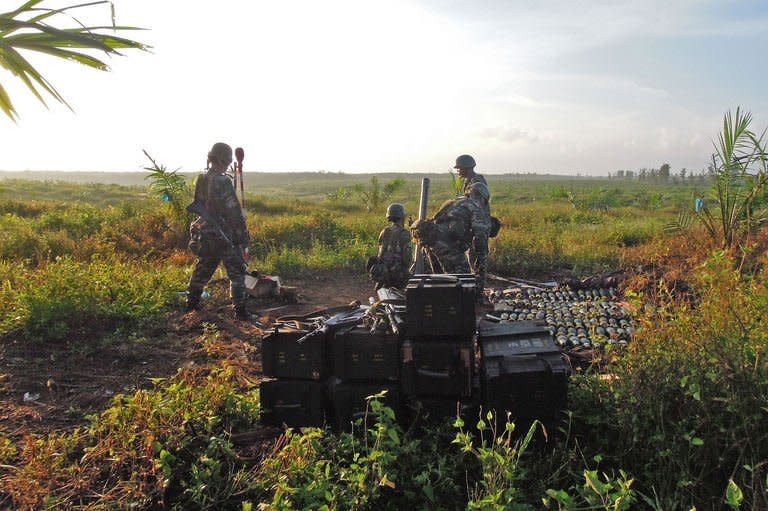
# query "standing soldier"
(390, 268)
(459, 226)
(221, 236)
(465, 164)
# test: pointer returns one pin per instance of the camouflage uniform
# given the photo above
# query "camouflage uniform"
(216, 192)
(460, 224)
(468, 184)
(394, 257)
(477, 178)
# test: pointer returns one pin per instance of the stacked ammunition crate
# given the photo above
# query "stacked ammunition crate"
(522, 370)
(438, 355)
(296, 398)
(363, 363)
(324, 377)
(427, 364)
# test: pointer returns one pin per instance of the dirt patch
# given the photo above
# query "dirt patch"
(64, 384)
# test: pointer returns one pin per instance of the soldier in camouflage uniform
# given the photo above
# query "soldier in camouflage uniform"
(460, 225)
(465, 164)
(215, 191)
(390, 268)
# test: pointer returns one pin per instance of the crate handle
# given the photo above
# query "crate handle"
(433, 374)
(287, 407)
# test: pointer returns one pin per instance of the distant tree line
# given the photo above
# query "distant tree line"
(665, 174)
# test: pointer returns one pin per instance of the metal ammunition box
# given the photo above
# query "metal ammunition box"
(437, 368)
(522, 370)
(439, 306)
(358, 354)
(283, 357)
(295, 403)
(348, 401)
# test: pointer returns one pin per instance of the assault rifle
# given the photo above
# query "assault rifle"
(203, 213)
(343, 319)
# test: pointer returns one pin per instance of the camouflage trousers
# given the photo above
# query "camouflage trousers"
(451, 256)
(213, 253)
(453, 259)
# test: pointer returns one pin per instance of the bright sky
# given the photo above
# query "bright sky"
(547, 86)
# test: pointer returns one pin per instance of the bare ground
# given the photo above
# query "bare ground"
(64, 384)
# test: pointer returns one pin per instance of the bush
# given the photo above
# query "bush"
(67, 297)
(167, 445)
(687, 406)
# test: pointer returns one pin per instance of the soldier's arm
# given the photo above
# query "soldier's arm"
(230, 210)
(481, 226)
(381, 241)
(405, 238)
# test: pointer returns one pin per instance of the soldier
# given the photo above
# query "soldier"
(390, 268)
(224, 238)
(465, 164)
(459, 226)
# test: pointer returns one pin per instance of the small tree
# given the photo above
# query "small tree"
(172, 189)
(375, 194)
(457, 184)
(740, 175)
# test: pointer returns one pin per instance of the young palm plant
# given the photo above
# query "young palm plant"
(29, 28)
(172, 189)
(740, 177)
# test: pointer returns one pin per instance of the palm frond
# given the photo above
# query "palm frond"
(26, 28)
(11, 60)
(683, 222)
(6, 105)
(740, 163)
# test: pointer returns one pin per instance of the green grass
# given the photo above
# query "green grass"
(679, 423)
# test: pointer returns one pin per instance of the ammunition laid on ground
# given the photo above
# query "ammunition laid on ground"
(426, 350)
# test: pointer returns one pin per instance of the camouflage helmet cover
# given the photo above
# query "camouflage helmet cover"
(395, 211)
(220, 153)
(465, 161)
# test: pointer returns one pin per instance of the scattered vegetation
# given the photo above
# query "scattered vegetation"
(674, 422)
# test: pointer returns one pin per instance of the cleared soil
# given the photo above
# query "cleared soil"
(64, 384)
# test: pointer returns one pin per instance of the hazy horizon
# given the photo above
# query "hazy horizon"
(553, 87)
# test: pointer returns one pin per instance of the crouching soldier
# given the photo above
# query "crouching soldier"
(460, 225)
(390, 268)
(221, 236)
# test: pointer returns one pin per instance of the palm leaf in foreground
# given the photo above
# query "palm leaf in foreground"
(26, 29)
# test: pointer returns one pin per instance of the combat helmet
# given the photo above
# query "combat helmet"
(220, 153)
(465, 161)
(395, 211)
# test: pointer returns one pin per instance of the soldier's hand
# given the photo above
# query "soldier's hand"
(246, 253)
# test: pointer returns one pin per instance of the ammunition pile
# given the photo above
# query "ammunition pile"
(424, 348)
(585, 317)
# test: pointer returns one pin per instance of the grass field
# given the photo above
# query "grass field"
(677, 421)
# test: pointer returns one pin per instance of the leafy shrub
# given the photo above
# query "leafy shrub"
(77, 220)
(67, 296)
(606, 492)
(377, 466)
(145, 449)
(500, 462)
(22, 208)
(687, 408)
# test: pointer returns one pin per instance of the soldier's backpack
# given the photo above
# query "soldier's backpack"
(387, 271)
